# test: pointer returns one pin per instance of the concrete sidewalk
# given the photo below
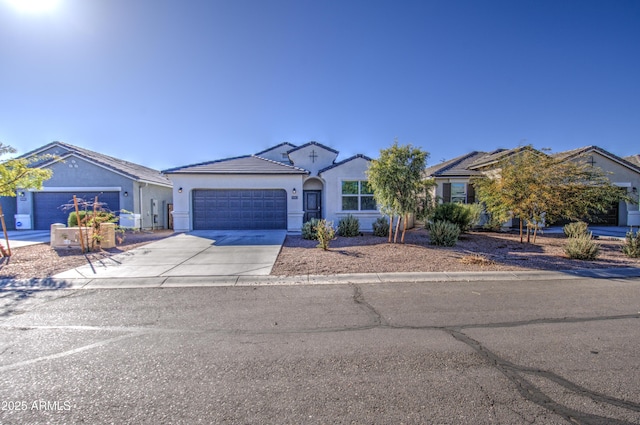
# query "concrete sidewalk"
(194, 254)
(247, 280)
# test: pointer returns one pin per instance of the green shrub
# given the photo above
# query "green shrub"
(381, 227)
(576, 229)
(631, 247)
(325, 233)
(101, 217)
(444, 233)
(349, 226)
(582, 248)
(475, 213)
(462, 215)
(309, 229)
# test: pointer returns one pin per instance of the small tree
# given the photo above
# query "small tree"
(535, 187)
(396, 179)
(18, 173)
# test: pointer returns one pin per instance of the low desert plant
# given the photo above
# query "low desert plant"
(325, 234)
(476, 259)
(349, 226)
(582, 248)
(631, 247)
(381, 227)
(309, 229)
(464, 216)
(444, 233)
(576, 229)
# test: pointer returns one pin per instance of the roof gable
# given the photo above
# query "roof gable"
(131, 170)
(313, 156)
(580, 152)
(278, 153)
(345, 161)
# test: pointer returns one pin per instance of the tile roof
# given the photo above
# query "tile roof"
(247, 164)
(456, 166)
(134, 171)
(574, 153)
(498, 155)
(276, 147)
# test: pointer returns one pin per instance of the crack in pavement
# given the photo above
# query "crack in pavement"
(513, 372)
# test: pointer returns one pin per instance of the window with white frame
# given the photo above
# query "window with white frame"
(357, 195)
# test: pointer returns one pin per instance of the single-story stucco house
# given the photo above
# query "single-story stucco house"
(453, 178)
(278, 188)
(143, 192)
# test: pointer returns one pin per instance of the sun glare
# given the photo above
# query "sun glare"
(33, 6)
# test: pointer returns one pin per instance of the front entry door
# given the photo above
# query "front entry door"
(312, 205)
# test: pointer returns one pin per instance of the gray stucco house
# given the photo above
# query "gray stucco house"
(144, 192)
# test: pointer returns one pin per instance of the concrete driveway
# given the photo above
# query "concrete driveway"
(198, 253)
(19, 238)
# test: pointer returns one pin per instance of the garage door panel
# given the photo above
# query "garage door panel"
(48, 206)
(239, 209)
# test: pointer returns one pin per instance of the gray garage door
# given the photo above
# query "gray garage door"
(229, 209)
(47, 206)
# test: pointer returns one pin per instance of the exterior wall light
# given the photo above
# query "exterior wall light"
(294, 191)
(125, 194)
(179, 190)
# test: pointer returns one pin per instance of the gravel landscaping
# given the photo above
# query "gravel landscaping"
(476, 251)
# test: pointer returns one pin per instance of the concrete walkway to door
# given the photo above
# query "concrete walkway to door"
(198, 253)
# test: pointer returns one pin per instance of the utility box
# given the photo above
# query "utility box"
(23, 221)
(130, 221)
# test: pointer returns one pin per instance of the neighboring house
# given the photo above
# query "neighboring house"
(453, 178)
(634, 159)
(279, 188)
(622, 173)
(143, 192)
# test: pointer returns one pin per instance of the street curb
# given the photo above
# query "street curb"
(44, 284)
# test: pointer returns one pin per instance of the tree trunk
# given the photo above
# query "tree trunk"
(395, 237)
(528, 232)
(7, 252)
(521, 236)
(404, 226)
(390, 226)
(75, 203)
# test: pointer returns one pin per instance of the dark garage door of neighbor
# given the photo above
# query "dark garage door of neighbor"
(239, 209)
(47, 206)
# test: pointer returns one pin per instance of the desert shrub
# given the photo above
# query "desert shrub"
(631, 247)
(462, 215)
(87, 218)
(349, 226)
(582, 248)
(475, 213)
(325, 233)
(309, 229)
(477, 260)
(381, 227)
(576, 229)
(444, 233)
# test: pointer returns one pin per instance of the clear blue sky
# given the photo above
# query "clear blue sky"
(171, 82)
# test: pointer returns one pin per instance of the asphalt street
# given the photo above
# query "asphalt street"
(479, 352)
